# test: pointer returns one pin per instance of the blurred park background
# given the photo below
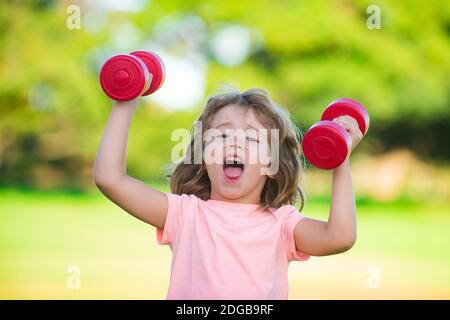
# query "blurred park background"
(60, 238)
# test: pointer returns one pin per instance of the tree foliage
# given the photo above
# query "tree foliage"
(52, 111)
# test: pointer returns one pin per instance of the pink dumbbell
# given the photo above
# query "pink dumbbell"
(327, 144)
(127, 76)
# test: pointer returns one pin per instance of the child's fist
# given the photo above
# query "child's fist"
(352, 127)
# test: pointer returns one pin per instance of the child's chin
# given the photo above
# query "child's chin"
(232, 192)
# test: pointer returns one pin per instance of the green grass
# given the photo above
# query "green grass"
(42, 233)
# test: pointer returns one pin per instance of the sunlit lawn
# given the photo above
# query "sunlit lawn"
(402, 252)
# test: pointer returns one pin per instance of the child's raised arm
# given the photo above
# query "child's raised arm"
(132, 195)
(338, 234)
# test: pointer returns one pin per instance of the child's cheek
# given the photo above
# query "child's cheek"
(252, 155)
(214, 152)
(260, 152)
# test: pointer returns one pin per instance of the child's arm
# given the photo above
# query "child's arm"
(135, 197)
(320, 238)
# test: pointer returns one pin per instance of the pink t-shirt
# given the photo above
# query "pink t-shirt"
(225, 250)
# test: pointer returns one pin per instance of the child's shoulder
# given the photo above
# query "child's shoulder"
(284, 210)
(182, 199)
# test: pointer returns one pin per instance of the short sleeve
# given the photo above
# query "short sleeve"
(175, 203)
(291, 218)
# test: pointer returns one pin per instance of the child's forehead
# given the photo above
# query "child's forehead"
(235, 116)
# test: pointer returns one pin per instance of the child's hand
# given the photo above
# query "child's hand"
(352, 127)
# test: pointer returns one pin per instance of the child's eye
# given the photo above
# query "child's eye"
(251, 139)
(223, 135)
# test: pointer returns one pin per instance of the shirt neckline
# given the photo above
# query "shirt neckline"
(234, 204)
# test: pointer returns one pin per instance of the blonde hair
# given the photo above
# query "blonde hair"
(284, 187)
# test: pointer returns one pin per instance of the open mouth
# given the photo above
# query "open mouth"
(233, 169)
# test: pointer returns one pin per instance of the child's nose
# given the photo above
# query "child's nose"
(236, 141)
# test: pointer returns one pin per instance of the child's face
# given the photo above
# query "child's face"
(233, 148)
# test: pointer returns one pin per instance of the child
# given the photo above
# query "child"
(232, 230)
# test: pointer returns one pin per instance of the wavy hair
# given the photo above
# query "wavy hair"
(284, 187)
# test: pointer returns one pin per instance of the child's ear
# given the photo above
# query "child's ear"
(270, 176)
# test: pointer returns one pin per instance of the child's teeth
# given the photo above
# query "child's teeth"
(233, 159)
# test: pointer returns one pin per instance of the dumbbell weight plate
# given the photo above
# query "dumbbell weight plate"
(350, 107)
(155, 66)
(124, 77)
(326, 144)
